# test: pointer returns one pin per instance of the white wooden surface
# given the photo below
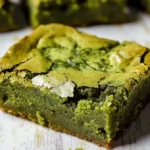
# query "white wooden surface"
(19, 134)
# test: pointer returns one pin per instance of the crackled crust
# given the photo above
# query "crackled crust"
(30, 49)
(25, 49)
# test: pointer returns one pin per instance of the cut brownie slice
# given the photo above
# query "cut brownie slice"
(77, 12)
(11, 16)
(74, 82)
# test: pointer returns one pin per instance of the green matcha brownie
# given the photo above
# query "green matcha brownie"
(11, 16)
(77, 12)
(74, 82)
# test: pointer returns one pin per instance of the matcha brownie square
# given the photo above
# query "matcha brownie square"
(74, 82)
(11, 16)
(77, 12)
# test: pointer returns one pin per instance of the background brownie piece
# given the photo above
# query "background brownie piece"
(77, 12)
(11, 16)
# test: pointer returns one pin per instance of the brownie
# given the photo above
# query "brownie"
(75, 83)
(77, 12)
(11, 16)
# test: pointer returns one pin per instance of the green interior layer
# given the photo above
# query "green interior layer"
(76, 12)
(74, 82)
(92, 113)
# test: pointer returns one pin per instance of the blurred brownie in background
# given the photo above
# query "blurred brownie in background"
(11, 16)
(77, 12)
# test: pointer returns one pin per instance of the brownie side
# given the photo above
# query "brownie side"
(94, 113)
(77, 13)
(52, 110)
